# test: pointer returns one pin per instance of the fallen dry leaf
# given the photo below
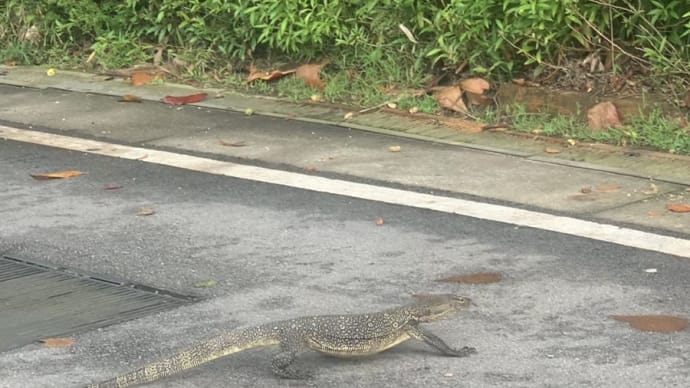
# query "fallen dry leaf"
(141, 77)
(678, 207)
(525, 82)
(255, 74)
(607, 188)
(552, 150)
(310, 168)
(349, 115)
(654, 213)
(473, 278)
(56, 342)
(112, 186)
(315, 97)
(56, 174)
(309, 73)
(378, 221)
(395, 148)
(129, 98)
(407, 33)
(603, 116)
(451, 98)
(658, 323)
(475, 85)
(145, 211)
(413, 110)
(181, 100)
(232, 143)
(476, 89)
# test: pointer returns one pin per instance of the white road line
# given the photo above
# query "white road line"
(567, 225)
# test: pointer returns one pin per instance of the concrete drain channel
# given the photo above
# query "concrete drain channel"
(37, 301)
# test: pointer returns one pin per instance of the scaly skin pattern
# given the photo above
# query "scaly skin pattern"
(349, 335)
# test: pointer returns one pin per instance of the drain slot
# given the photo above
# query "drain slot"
(37, 301)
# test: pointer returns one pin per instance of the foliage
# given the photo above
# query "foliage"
(480, 36)
(652, 129)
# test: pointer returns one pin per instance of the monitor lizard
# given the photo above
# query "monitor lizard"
(348, 335)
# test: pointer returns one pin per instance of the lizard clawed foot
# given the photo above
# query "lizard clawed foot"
(462, 352)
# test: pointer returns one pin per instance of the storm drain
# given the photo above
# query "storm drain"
(37, 301)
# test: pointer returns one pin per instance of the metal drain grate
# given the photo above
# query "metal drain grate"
(37, 301)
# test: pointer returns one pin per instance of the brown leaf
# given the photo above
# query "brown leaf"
(129, 98)
(525, 82)
(378, 221)
(310, 167)
(309, 73)
(141, 77)
(56, 175)
(56, 342)
(603, 116)
(112, 186)
(552, 150)
(232, 143)
(476, 90)
(607, 188)
(145, 211)
(678, 207)
(450, 97)
(473, 278)
(255, 74)
(475, 85)
(188, 99)
(519, 81)
(658, 323)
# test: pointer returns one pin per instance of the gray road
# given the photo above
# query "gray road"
(278, 253)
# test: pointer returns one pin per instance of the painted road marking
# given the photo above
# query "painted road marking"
(566, 225)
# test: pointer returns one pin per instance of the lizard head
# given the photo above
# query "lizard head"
(433, 307)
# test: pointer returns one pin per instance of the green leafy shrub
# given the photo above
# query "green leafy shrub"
(497, 37)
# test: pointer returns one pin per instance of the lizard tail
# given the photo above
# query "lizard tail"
(209, 350)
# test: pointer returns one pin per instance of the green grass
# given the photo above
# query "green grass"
(651, 130)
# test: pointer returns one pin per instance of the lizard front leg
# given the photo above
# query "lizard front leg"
(437, 343)
(282, 362)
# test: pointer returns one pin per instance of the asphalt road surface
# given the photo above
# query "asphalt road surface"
(278, 252)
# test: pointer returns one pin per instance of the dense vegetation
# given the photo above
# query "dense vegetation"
(478, 36)
(374, 45)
